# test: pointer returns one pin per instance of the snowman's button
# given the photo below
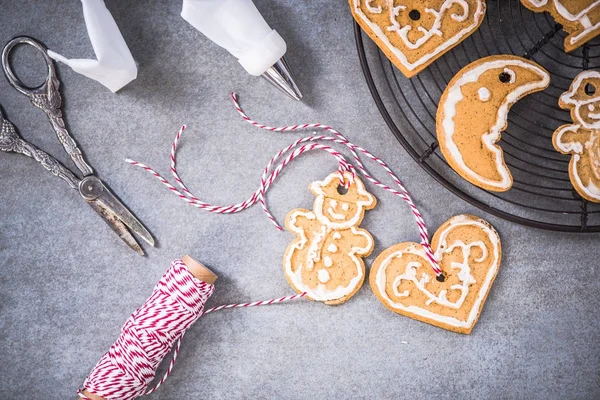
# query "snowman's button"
(323, 276)
(332, 248)
(328, 261)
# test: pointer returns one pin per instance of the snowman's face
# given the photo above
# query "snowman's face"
(340, 212)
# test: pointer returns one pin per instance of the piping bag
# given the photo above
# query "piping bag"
(114, 67)
(238, 27)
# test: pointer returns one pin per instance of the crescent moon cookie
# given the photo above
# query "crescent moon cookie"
(414, 33)
(325, 258)
(580, 18)
(473, 111)
(582, 138)
(468, 251)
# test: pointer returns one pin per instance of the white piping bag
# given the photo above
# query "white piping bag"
(114, 67)
(238, 27)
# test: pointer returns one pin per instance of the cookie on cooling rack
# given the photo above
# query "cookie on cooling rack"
(468, 252)
(414, 33)
(580, 18)
(472, 113)
(582, 138)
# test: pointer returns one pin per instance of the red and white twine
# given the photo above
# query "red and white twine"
(299, 147)
(126, 370)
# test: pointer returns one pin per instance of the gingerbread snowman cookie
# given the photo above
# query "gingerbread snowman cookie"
(325, 258)
(414, 33)
(582, 138)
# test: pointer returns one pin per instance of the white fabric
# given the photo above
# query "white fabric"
(237, 26)
(114, 67)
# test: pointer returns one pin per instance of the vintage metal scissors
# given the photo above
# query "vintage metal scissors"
(47, 97)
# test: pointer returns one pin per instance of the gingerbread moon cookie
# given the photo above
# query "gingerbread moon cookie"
(414, 33)
(325, 258)
(582, 138)
(473, 112)
(580, 18)
(468, 251)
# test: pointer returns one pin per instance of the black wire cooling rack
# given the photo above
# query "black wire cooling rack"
(542, 195)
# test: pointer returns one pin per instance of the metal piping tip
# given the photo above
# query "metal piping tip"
(280, 75)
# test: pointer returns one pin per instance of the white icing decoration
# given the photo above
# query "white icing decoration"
(345, 206)
(477, 15)
(465, 273)
(337, 235)
(484, 93)
(435, 28)
(580, 17)
(323, 276)
(327, 261)
(374, 10)
(511, 73)
(591, 107)
(455, 95)
(332, 248)
(569, 97)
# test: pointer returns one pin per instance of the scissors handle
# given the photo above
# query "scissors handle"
(46, 97)
(11, 142)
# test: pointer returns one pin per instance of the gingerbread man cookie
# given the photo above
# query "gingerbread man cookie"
(580, 18)
(582, 138)
(325, 258)
(414, 33)
(468, 251)
(473, 112)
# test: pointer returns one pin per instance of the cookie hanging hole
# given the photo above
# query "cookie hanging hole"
(441, 277)
(341, 189)
(415, 15)
(589, 89)
(504, 77)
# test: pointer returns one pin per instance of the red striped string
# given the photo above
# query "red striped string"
(299, 146)
(126, 370)
(403, 193)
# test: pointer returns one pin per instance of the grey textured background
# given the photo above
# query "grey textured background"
(67, 283)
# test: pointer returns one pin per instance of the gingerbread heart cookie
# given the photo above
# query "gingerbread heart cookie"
(414, 33)
(468, 251)
(582, 138)
(325, 258)
(473, 112)
(580, 18)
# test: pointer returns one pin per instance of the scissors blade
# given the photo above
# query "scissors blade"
(120, 229)
(94, 190)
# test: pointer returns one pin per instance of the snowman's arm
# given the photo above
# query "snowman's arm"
(570, 139)
(362, 241)
(299, 220)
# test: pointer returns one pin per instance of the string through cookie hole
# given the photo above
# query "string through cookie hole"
(342, 189)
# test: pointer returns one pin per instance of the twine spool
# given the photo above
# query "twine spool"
(125, 371)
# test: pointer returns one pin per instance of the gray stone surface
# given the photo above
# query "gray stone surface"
(67, 283)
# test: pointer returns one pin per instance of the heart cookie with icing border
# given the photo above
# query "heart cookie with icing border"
(414, 33)
(468, 252)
